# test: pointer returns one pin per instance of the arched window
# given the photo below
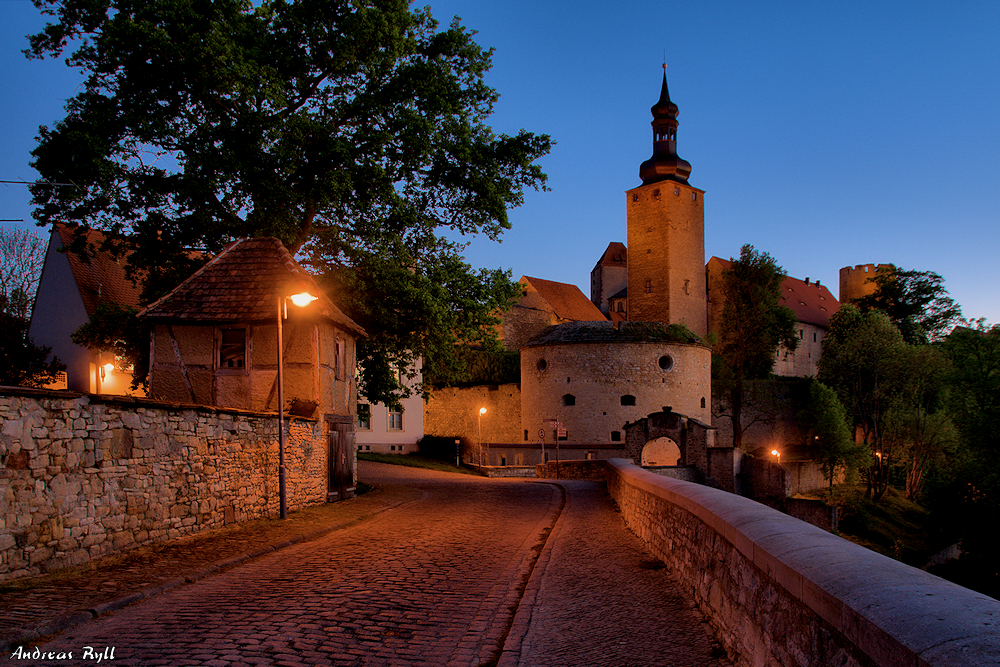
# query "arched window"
(568, 399)
(628, 399)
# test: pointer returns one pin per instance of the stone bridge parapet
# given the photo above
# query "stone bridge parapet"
(782, 592)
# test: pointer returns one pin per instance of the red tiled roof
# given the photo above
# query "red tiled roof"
(616, 254)
(241, 284)
(101, 279)
(566, 301)
(813, 303)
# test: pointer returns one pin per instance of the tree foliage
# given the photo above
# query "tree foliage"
(915, 301)
(356, 132)
(22, 255)
(829, 433)
(754, 325)
(863, 360)
(114, 328)
(21, 362)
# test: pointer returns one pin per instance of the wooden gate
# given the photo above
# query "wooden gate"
(340, 459)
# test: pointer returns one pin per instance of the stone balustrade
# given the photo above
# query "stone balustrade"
(782, 592)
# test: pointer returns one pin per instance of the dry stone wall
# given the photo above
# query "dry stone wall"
(83, 476)
(783, 592)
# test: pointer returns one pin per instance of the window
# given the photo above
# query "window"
(666, 362)
(814, 337)
(542, 365)
(616, 436)
(526, 435)
(649, 286)
(628, 399)
(395, 420)
(568, 399)
(702, 401)
(338, 359)
(233, 349)
(364, 416)
(802, 334)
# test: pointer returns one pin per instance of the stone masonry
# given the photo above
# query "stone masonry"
(83, 476)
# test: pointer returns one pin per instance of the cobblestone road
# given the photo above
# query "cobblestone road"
(473, 572)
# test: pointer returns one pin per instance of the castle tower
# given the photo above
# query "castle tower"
(666, 232)
(856, 281)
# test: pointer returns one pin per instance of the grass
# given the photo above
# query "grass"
(893, 526)
(415, 461)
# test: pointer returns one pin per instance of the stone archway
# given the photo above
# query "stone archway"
(661, 452)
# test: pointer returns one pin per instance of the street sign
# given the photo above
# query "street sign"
(541, 434)
(561, 432)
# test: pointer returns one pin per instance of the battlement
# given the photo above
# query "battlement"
(855, 281)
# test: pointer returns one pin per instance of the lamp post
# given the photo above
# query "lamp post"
(777, 455)
(301, 299)
(482, 411)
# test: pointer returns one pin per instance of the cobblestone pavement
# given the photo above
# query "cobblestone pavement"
(462, 571)
(597, 598)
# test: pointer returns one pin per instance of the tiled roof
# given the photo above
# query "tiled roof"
(101, 279)
(813, 303)
(566, 301)
(616, 254)
(242, 284)
(607, 332)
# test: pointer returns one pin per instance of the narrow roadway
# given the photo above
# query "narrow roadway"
(475, 572)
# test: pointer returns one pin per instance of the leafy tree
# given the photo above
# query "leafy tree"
(754, 325)
(915, 301)
(970, 500)
(830, 434)
(114, 328)
(863, 360)
(919, 420)
(355, 132)
(21, 362)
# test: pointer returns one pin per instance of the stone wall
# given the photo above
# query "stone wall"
(593, 470)
(83, 476)
(595, 388)
(454, 413)
(782, 592)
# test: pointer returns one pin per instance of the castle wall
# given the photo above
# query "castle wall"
(85, 476)
(804, 361)
(666, 255)
(453, 412)
(598, 375)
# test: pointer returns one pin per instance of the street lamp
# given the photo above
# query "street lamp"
(301, 298)
(482, 411)
(777, 454)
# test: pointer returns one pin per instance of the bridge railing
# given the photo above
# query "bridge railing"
(782, 592)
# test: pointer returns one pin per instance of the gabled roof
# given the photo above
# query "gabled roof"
(101, 279)
(566, 301)
(813, 303)
(616, 254)
(242, 284)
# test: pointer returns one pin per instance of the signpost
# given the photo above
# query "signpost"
(560, 432)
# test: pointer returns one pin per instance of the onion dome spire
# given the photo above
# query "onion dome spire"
(665, 164)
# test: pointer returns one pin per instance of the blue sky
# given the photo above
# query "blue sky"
(827, 134)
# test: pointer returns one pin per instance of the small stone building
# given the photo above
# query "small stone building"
(214, 338)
